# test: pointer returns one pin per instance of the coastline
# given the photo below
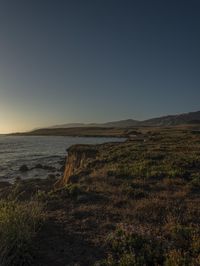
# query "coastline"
(144, 188)
(103, 131)
(79, 132)
(38, 156)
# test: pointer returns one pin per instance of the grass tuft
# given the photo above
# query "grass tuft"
(19, 223)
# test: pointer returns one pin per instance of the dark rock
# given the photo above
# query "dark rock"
(45, 167)
(62, 162)
(18, 179)
(4, 184)
(49, 168)
(39, 166)
(51, 176)
(23, 168)
(62, 169)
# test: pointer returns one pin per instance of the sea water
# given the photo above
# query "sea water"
(48, 151)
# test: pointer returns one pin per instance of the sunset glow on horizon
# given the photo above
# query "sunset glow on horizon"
(97, 61)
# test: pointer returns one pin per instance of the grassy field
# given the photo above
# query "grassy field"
(135, 203)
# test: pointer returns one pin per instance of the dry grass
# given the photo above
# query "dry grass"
(19, 223)
(138, 206)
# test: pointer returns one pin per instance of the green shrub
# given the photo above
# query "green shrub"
(194, 184)
(184, 246)
(41, 195)
(73, 190)
(177, 258)
(19, 223)
(44, 196)
(182, 236)
(130, 248)
(126, 259)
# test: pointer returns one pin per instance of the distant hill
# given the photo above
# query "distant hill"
(122, 123)
(174, 120)
(170, 120)
(115, 128)
(70, 125)
(119, 124)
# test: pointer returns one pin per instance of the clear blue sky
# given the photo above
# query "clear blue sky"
(99, 60)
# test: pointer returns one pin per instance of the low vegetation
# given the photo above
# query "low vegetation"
(19, 223)
(135, 203)
(177, 245)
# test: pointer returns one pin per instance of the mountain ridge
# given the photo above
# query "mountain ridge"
(168, 120)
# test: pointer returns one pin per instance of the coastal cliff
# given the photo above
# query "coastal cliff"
(147, 188)
(78, 158)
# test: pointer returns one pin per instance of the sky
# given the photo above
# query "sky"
(64, 61)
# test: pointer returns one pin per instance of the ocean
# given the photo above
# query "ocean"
(48, 151)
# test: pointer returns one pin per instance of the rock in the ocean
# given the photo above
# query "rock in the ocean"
(51, 176)
(39, 166)
(23, 168)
